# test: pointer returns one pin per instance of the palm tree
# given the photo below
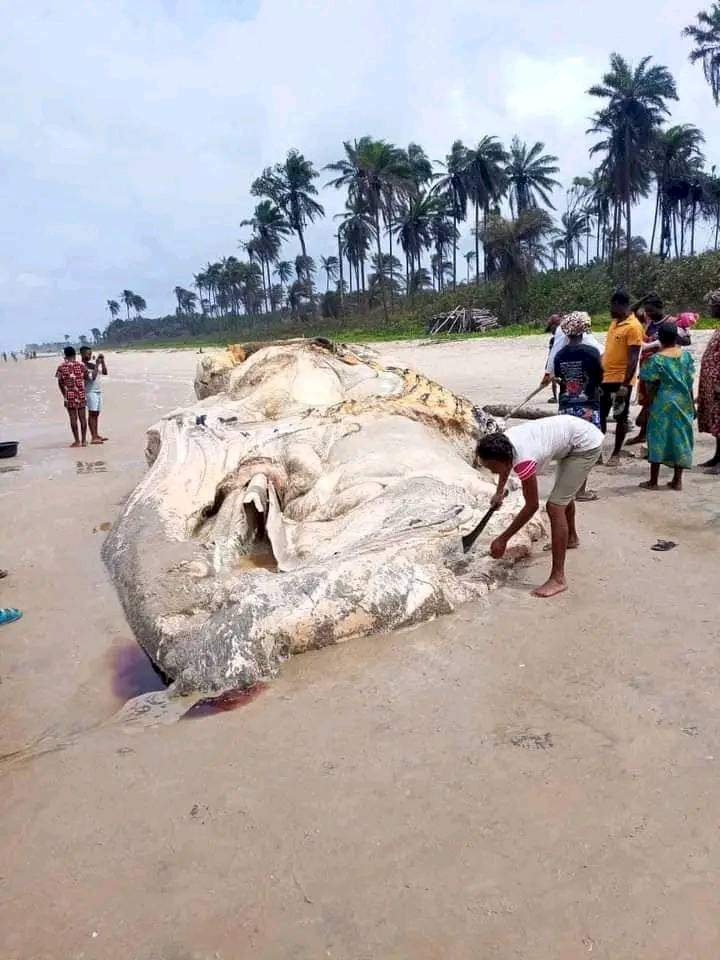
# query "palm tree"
(113, 308)
(676, 161)
(413, 227)
(469, 257)
(97, 334)
(330, 266)
(529, 174)
(573, 229)
(636, 104)
(517, 246)
(357, 231)
(283, 271)
(454, 186)
(138, 305)
(269, 230)
(420, 167)
(128, 298)
(486, 183)
(444, 235)
(376, 174)
(290, 185)
(421, 280)
(706, 35)
(711, 204)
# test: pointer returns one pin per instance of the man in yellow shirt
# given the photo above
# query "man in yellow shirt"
(620, 362)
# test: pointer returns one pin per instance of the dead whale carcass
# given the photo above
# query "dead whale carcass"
(311, 495)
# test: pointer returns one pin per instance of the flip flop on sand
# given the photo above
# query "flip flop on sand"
(588, 497)
(662, 546)
(9, 615)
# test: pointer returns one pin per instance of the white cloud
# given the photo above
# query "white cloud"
(131, 131)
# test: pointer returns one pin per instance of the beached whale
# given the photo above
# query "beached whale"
(310, 496)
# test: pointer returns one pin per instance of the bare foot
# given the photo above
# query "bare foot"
(84, 443)
(103, 438)
(550, 589)
(76, 444)
(573, 543)
(712, 462)
(97, 440)
(671, 485)
(614, 461)
(589, 496)
(646, 485)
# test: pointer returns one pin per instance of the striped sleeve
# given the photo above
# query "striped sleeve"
(525, 469)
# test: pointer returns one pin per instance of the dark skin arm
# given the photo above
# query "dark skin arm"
(633, 357)
(100, 361)
(530, 507)
(62, 389)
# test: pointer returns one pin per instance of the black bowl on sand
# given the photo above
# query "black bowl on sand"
(8, 449)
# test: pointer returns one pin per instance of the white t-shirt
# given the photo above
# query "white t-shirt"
(561, 340)
(536, 442)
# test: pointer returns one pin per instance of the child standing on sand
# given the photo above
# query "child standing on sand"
(71, 381)
(93, 390)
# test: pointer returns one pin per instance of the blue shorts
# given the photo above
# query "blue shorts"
(94, 402)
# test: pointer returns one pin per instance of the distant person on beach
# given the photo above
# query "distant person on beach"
(620, 361)
(668, 378)
(71, 381)
(708, 405)
(551, 328)
(93, 390)
(576, 446)
(4, 357)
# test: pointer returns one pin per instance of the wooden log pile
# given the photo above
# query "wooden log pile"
(463, 320)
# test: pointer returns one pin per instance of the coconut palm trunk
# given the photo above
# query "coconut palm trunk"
(340, 262)
(477, 244)
(628, 207)
(381, 272)
(454, 241)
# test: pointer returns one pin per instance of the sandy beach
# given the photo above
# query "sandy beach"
(520, 779)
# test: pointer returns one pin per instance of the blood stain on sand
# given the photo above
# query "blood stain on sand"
(230, 700)
(134, 673)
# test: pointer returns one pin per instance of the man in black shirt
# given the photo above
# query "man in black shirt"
(579, 374)
(578, 371)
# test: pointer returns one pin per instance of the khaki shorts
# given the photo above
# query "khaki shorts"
(572, 472)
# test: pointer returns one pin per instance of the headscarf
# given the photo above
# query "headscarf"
(576, 323)
(713, 298)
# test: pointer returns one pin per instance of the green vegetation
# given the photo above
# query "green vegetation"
(526, 263)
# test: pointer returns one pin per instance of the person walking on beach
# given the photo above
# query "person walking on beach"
(668, 377)
(71, 381)
(620, 360)
(708, 406)
(93, 390)
(576, 445)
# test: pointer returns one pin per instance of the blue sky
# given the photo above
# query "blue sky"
(131, 129)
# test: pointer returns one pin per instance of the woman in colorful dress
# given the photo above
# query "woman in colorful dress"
(709, 386)
(668, 377)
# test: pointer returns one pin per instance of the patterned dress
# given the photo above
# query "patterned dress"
(670, 423)
(71, 375)
(708, 384)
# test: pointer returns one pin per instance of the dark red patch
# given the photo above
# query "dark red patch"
(134, 673)
(230, 700)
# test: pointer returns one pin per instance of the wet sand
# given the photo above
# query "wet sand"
(522, 779)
